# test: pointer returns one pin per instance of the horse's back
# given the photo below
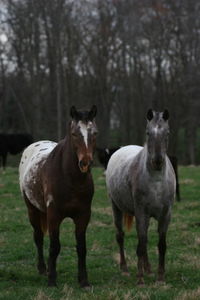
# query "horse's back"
(121, 159)
(33, 157)
(117, 175)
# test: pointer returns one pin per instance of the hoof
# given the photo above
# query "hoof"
(140, 282)
(87, 288)
(85, 285)
(124, 268)
(161, 278)
(149, 272)
(52, 283)
(160, 281)
(42, 271)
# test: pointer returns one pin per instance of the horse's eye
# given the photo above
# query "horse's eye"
(147, 132)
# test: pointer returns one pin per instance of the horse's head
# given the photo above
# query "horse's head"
(157, 137)
(83, 136)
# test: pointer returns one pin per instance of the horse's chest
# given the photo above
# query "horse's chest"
(153, 199)
(72, 200)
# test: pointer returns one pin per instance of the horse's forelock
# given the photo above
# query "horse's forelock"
(157, 122)
(83, 116)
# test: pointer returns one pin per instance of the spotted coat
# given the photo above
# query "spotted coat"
(31, 162)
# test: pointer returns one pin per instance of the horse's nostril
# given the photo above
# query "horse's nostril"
(83, 164)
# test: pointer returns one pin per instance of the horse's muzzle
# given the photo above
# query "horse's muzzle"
(85, 166)
(157, 163)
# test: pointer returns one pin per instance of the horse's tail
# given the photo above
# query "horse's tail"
(43, 222)
(128, 221)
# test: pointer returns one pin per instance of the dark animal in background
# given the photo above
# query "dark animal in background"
(104, 154)
(13, 144)
(56, 183)
(141, 183)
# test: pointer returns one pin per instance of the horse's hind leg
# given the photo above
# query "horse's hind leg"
(118, 219)
(38, 235)
(54, 249)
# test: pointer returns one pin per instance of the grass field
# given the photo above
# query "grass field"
(19, 278)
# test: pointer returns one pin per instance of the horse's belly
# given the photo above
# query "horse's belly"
(31, 163)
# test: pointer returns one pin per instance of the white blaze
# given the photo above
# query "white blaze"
(84, 132)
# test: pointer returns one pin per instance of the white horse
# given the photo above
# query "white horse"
(141, 183)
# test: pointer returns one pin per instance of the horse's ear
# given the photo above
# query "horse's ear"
(166, 115)
(73, 112)
(93, 112)
(150, 114)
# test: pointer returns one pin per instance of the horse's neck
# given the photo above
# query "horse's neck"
(147, 165)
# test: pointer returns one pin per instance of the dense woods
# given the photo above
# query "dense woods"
(125, 56)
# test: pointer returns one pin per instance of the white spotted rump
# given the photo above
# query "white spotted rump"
(33, 156)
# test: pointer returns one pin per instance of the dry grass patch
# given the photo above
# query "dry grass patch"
(191, 260)
(131, 260)
(187, 181)
(99, 224)
(103, 210)
(96, 246)
(197, 241)
(8, 195)
(41, 296)
(68, 292)
(189, 295)
(140, 296)
(161, 286)
(113, 296)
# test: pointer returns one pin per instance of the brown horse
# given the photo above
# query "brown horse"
(56, 183)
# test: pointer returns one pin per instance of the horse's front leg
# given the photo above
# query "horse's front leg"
(162, 246)
(54, 248)
(142, 223)
(81, 223)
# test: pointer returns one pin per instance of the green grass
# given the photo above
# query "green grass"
(18, 275)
